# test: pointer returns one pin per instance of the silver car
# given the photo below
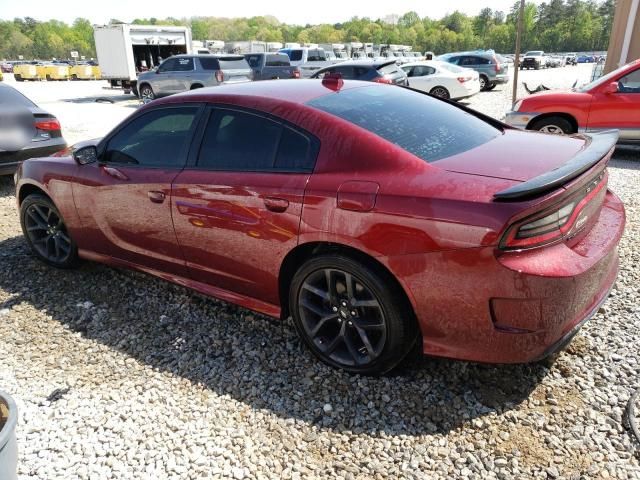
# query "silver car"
(187, 72)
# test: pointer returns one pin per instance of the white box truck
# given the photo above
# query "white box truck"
(125, 50)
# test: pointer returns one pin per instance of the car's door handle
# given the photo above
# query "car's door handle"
(275, 204)
(156, 197)
(114, 172)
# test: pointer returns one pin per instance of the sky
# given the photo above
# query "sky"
(289, 11)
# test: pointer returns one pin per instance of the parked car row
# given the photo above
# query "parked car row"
(38, 71)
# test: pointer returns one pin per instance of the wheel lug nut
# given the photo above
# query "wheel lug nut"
(335, 309)
(353, 313)
(344, 304)
(350, 323)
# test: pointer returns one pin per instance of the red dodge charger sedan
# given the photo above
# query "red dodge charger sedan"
(374, 215)
(612, 101)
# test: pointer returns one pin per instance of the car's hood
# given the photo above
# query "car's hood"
(515, 155)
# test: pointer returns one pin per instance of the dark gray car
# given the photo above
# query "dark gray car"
(187, 72)
(26, 131)
(269, 66)
(492, 72)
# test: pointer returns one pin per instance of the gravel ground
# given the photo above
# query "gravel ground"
(120, 375)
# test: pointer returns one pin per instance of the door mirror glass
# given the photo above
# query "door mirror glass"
(86, 155)
(611, 88)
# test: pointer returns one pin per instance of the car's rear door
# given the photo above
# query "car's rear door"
(164, 81)
(620, 110)
(184, 74)
(124, 200)
(237, 205)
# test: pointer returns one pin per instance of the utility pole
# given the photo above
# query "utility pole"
(516, 63)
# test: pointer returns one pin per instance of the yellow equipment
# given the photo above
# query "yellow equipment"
(26, 71)
(53, 71)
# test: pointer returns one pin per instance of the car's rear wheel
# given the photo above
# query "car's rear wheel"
(554, 125)
(440, 92)
(484, 81)
(46, 232)
(491, 86)
(146, 94)
(351, 316)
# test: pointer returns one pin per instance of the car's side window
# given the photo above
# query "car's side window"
(156, 139)
(422, 70)
(346, 72)
(630, 83)
(235, 140)
(168, 65)
(184, 64)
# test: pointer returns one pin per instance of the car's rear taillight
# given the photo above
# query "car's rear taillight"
(464, 79)
(296, 73)
(219, 76)
(496, 65)
(553, 225)
(383, 80)
(48, 125)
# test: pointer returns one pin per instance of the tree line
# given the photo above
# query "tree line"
(553, 26)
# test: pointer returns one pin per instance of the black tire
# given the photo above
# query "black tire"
(554, 125)
(46, 234)
(18, 78)
(440, 92)
(74, 77)
(537, 67)
(377, 307)
(48, 78)
(196, 86)
(492, 86)
(146, 93)
(484, 81)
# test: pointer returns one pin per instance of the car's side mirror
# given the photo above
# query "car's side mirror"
(611, 88)
(86, 155)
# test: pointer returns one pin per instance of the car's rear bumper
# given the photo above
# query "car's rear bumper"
(512, 307)
(500, 79)
(9, 161)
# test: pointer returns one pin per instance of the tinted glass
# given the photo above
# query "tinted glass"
(169, 65)
(295, 55)
(239, 141)
(346, 72)
(156, 139)
(294, 152)
(423, 126)
(422, 70)
(209, 63)
(359, 72)
(10, 96)
(254, 60)
(277, 61)
(630, 83)
(233, 63)
(184, 64)
(315, 56)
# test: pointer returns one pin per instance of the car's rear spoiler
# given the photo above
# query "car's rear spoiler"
(596, 146)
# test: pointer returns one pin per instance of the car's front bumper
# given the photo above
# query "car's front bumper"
(9, 161)
(519, 119)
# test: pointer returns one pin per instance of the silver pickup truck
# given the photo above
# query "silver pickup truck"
(309, 60)
(187, 72)
(269, 66)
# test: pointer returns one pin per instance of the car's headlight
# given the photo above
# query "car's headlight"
(517, 105)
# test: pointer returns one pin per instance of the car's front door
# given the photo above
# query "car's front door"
(237, 205)
(620, 110)
(421, 77)
(124, 200)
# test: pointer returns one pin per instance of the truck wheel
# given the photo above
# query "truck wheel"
(146, 94)
(18, 78)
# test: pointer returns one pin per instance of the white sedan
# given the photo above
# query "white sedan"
(442, 79)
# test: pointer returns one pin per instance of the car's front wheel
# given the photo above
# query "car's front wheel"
(146, 94)
(46, 232)
(554, 125)
(351, 316)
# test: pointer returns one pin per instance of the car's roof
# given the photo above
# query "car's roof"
(292, 90)
(475, 53)
(376, 63)
(207, 55)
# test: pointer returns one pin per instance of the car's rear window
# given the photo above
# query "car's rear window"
(233, 63)
(280, 60)
(426, 127)
(9, 96)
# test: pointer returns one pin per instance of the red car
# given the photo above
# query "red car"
(610, 102)
(375, 215)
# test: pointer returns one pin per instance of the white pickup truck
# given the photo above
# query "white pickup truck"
(307, 59)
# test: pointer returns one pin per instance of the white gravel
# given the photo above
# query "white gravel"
(163, 383)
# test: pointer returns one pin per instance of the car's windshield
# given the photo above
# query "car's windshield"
(428, 128)
(604, 79)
